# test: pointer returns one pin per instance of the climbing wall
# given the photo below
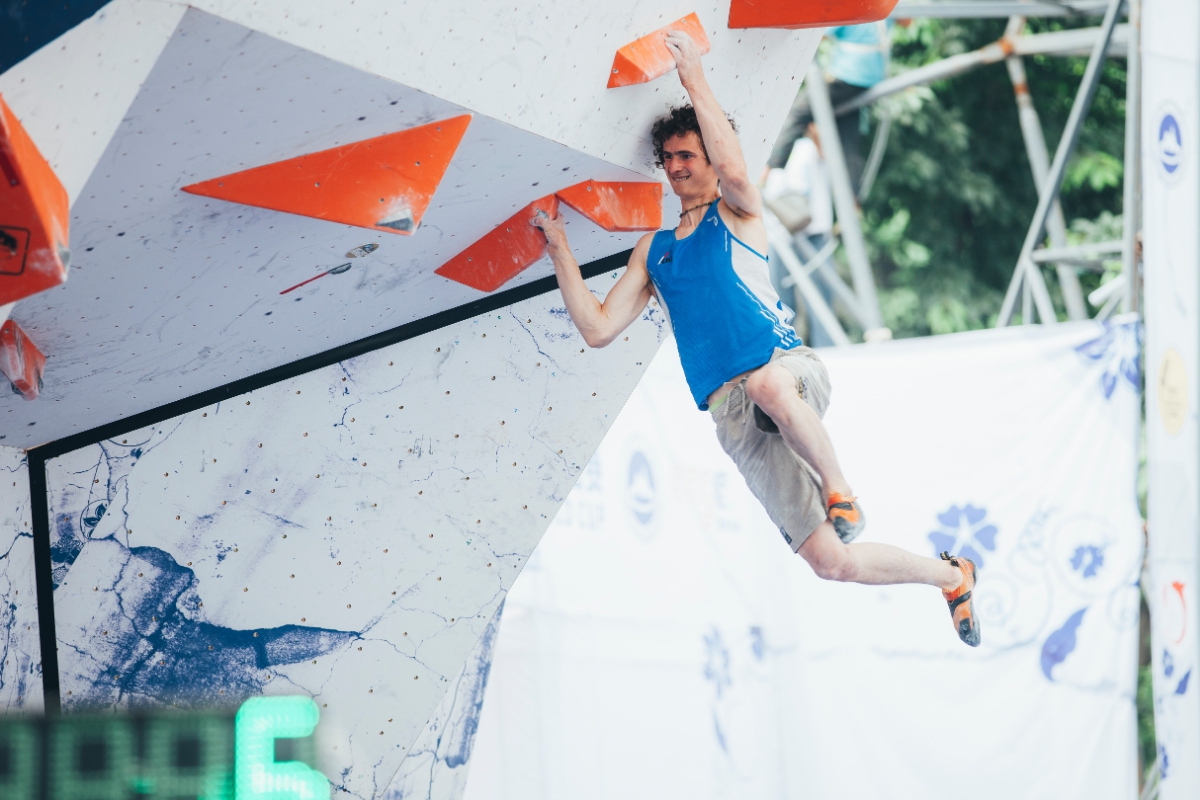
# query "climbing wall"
(436, 767)
(20, 655)
(347, 534)
(209, 293)
(172, 292)
(255, 189)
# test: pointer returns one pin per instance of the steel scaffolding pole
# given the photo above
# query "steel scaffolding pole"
(1027, 303)
(1062, 43)
(977, 9)
(819, 262)
(1081, 254)
(1132, 195)
(843, 199)
(781, 243)
(1026, 269)
(1039, 164)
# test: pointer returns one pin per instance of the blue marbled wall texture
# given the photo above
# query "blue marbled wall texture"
(347, 535)
(437, 764)
(20, 654)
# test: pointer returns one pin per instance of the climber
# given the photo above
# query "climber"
(743, 361)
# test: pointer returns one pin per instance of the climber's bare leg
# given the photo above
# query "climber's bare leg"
(873, 563)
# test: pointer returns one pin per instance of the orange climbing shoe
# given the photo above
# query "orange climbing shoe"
(846, 515)
(962, 610)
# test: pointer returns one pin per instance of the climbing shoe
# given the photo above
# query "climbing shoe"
(847, 518)
(962, 610)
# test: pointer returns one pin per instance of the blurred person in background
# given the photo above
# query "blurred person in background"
(798, 194)
(796, 188)
(858, 61)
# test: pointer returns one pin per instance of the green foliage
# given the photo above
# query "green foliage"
(1147, 747)
(1097, 170)
(954, 197)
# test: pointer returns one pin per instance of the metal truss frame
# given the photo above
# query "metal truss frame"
(1028, 283)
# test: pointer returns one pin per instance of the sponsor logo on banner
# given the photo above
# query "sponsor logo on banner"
(1168, 147)
(643, 490)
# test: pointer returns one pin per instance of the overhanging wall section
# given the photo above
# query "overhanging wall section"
(346, 534)
(20, 654)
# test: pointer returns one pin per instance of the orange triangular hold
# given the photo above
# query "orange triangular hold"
(617, 206)
(809, 14)
(508, 250)
(384, 183)
(34, 216)
(648, 58)
(21, 361)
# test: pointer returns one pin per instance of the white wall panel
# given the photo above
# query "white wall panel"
(1171, 218)
(20, 652)
(437, 763)
(543, 67)
(347, 534)
(171, 293)
(73, 93)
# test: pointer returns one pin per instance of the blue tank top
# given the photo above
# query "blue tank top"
(717, 294)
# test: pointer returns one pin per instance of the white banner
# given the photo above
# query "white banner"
(1171, 227)
(664, 642)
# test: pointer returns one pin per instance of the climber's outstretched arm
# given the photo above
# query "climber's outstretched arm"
(720, 141)
(599, 321)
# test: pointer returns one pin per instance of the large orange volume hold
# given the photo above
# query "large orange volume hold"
(34, 216)
(508, 250)
(384, 183)
(806, 13)
(20, 360)
(617, 206)
(648, 58)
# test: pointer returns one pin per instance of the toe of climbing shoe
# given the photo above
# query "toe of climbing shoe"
(846, 515)
(962, 608)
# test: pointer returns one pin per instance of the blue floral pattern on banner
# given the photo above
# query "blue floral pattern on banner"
(964, 532)
(1119, 351)
(1060, 644)
(1087, 560)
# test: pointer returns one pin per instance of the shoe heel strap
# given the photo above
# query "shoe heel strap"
(838, 497)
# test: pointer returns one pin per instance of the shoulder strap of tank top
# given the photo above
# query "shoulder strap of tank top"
(658, 246)
(713, 215)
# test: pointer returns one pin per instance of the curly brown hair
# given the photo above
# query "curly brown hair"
(678, 121)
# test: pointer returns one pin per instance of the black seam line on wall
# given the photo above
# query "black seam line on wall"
(327, 358)
(43, 570)
(38, 456)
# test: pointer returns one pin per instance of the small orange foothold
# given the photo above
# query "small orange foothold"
(20, 361)
(34, 216)
(617, 206)
(648, 57)
(373, 183)
(810, 14)
(508, 250)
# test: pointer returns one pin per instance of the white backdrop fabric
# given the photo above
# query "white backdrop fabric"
(664, 642)
(1171, 228)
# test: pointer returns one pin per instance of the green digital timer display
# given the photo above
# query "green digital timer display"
(263, 752)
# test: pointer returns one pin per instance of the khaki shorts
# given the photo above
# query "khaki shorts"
(784, 483)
